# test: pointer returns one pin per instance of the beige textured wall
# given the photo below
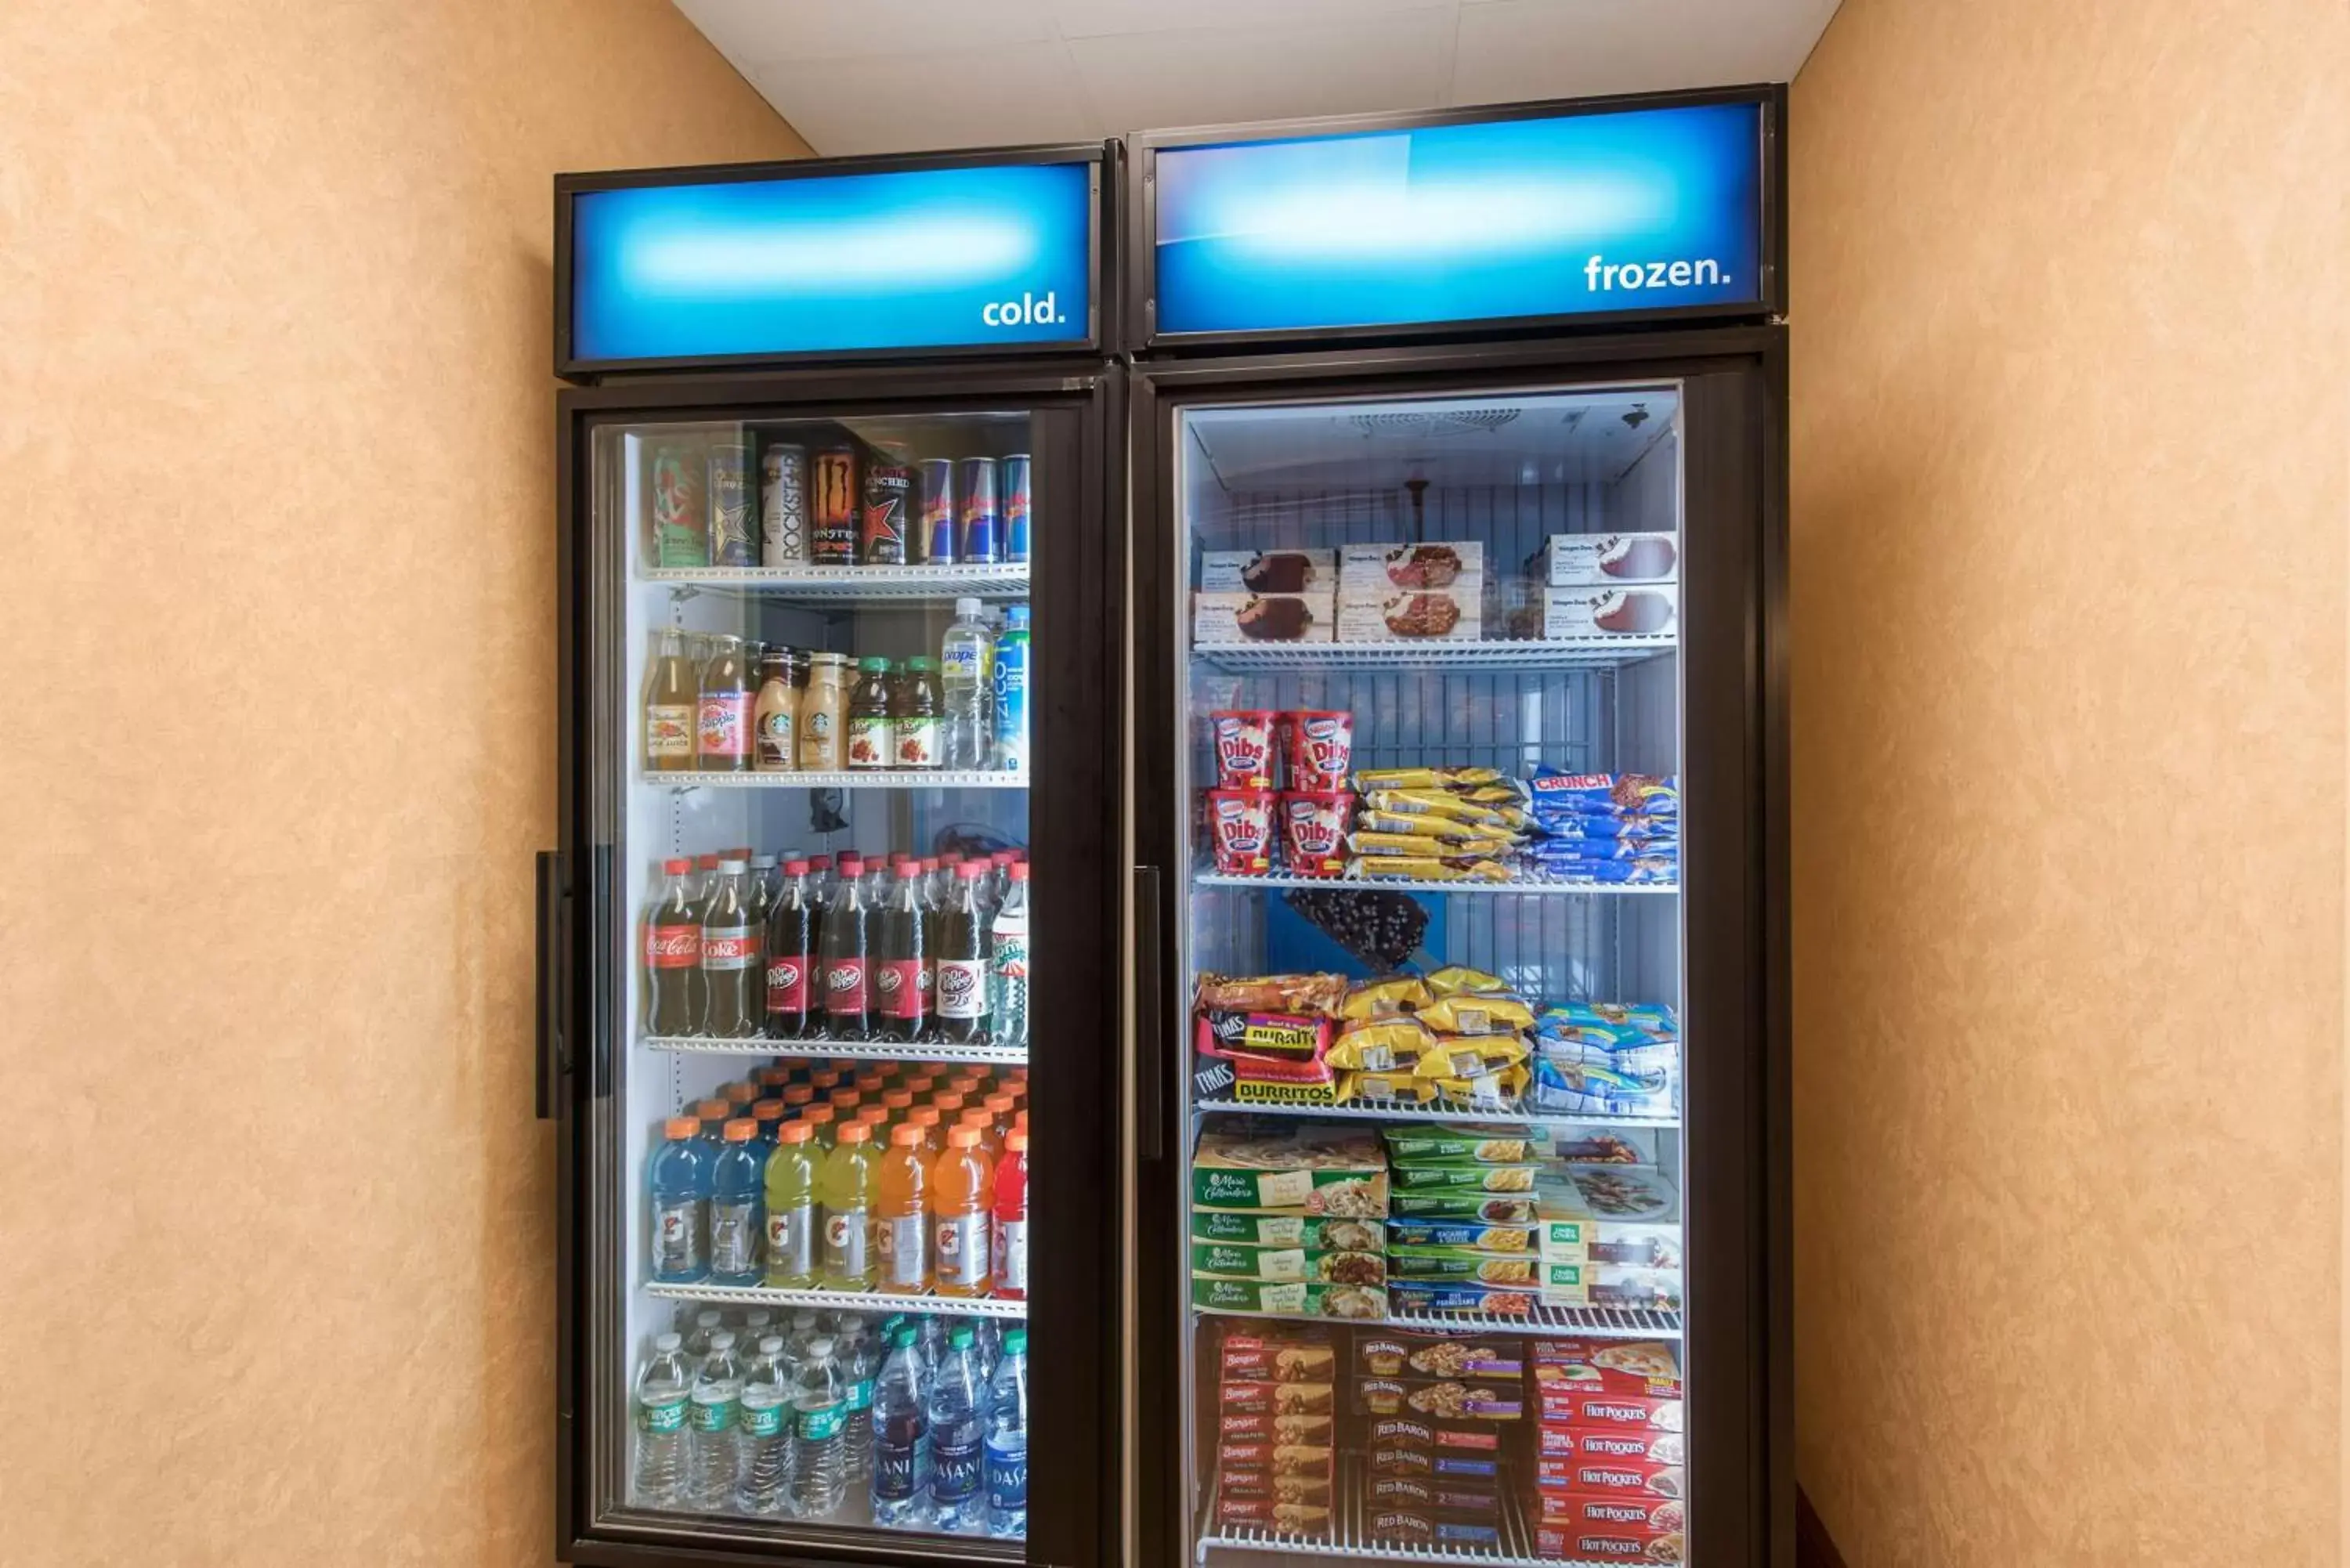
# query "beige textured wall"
(2069, 598)
(275, 432)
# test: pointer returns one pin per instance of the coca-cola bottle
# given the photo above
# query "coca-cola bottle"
(674, 955)
(791, 953)
(962, 961)
(899, 952)
(848, 999)
(732, 972)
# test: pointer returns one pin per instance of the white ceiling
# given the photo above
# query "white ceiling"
(885, 76)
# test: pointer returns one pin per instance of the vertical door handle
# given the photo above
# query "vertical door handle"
(551, 924)
(1149, 1017)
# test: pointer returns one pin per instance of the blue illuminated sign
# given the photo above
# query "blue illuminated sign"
(934, 258)
(1640, 210)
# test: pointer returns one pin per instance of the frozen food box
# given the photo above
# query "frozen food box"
(1421, 1431)
(1652, 1290)
(1264, 618)
(1431, 614)
(1462, 1233)
(1430, 1528)
(1422, 1296)
(1269, 571)
(1653, 611)
(1282, 1518)
(1648, 1368)
(1466, 1497)
(1436, 1353)
(1585, 1203)
(1458, 1142)
(1316, 1172)
(1238, 1260)
(1440, 1398)
(1359, 1303)
(1463, 1175)
(1272, 1426)
(1265, 1397)
(1454, 1203)
(1276, 1361)
(1646, 1445)
(1654, 1547)
(1640, 1476)
(1607, 1511)
(1314, 1234)
(1438, 564)
(1580, 560)
(1466, 1266)
(1314, 1490)
(1570, 1407)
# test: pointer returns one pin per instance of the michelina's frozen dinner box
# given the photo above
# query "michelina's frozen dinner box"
(1317, 1171)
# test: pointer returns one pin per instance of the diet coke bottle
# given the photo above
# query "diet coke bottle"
(732, 969)
(847, 998)
(674, 955)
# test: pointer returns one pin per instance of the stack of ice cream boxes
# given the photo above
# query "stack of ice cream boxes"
(1379, 592)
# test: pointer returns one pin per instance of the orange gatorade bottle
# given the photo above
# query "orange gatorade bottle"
(962, 1191)
(900, 1212)
(988, 1142)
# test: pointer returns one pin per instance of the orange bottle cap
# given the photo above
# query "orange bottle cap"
(873, 1115)
(975, 1117)
(869, 1081)
(856, 1132)
(997, 1105)
(898, 1099)
(964, 1137)
(681, 1127)
(767, 1110)
(924, 1117)
(798, 1095)
(817, 1116)
(906, 1135)
(794, 1132)
(1016, 1142)
(712, 1110)
(741, 1129)
(948, 1100)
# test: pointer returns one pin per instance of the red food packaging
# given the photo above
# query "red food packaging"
(1240, 827)
(1320, 748)
(1314, 824)
(1243, 739)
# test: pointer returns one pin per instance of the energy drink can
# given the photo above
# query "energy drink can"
(978, 525)
(730, 506)
(832, 536)
(783, 507)
(881, 536)
(680, 524)
(934, 538)
(1015, 509)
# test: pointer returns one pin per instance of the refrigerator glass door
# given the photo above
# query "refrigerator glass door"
(815, 715)
(1430, 689)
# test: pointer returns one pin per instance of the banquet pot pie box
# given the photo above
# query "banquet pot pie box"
(1326, 1173)
(1581, 560)
(1222, 617)
(1309, 572)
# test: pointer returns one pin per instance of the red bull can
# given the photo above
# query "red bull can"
(1015, 509)
(978, 526)
(934, 536)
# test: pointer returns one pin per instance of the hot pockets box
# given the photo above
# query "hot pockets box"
(1559, 1441)
(1558, 1540)
(1573, 1406)
(1607, 1511)
(1640, 1476)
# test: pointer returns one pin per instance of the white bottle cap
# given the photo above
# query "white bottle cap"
(722, 1340)
(665, 1342)
(729, 868)
(771, 1345)
(820, 1346)
(966, 609)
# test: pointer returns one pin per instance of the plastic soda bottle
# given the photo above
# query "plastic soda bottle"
(903, 1226)
(1011, 1219)
(664, 1388)
(1008, 964)
(735, 1223)
(819, 1422)
(1007, 1440)
(901, 1438)
(717, 1414)
(766, 1439)
(680, 1176)
(958, 1439)
(1012, 693)
(844, 1191)
(791, 1208)
(962, 1187)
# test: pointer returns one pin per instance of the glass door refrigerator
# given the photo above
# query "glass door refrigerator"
(1461, 793)
(830, 937)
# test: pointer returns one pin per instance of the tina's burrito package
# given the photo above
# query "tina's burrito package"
(1266, 1038)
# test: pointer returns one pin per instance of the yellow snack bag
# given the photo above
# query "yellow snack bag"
(1433, 803)
(1423, 869)
(1385, 1045)
(1383, 1086)
(1497, 1087)
(1416, 846)
(1467, 1055)
(1425, 778)
(1454, 978)
(1426, 826)
(1468, 1013)
(1379, 998)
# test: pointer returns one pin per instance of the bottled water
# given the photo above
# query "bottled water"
(929, 1346)
(966, 661)
(705, 1328)
(717, 1414)
(901, 1438)
(987, 1341)
(1012, 693)
(818, 1417)
(1007, 1440)
(766, 1441)
(753, 1332)
(958, 1500)
(860, 1362)
(1007, 968)
(664, 1388)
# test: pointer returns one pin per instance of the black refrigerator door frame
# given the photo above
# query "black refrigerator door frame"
(1738, 1334)
(1076, 600)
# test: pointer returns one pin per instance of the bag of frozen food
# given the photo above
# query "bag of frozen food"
(1557, 790)
(1467, 1055)
(1418, 868)
(1386, 995)
(1384, 1045)
(1454, 978)
(1370, 779)
(1397, 1084)
(1434, 803)
(1463, 1013)
(1493, 1090)
(1272, 994)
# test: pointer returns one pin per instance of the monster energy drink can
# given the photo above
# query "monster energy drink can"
(730, 506)
(783, 507)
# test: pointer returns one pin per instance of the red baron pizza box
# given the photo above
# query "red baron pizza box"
(1569, 1406)
(1557, 1442)
(1643, 1367)
(1651, 1546)
(1424, 1433)
(1641, 1477)
(1583, 1511)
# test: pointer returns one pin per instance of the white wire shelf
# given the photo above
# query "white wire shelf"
(1522, 886)
(1587, 653)
(1542, 1322)
(858, 1050)
(1349, 1534)
(862, 778)
(842, 1300)
(1408, 1111)
(851, 582)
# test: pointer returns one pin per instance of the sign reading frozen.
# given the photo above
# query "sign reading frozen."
(1637, 210)
(933, 258)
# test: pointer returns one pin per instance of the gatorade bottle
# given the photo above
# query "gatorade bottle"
(769, 1115)
(897, 1102)
(903, 1228)
(927, 1118)
(818, 1119)
(844, 1191)
(977, 1118)
(734, 1221)
(679, 1175)
(791, 1208)
(878, 1118)
(962, 1187)
(950, 1104)
(999, 1116)
(797, 1098)
(1011, 1218)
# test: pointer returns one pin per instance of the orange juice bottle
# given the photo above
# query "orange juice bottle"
(845, 1190)
(926, 1118)
(962, 1184)
(819, 1123)
(901, 1223)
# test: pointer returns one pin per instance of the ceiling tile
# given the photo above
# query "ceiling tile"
(762, 32)
(1094, 18)
(1517, 50)
(1393, 60)
(972, 98)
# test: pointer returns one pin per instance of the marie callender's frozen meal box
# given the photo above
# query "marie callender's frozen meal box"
(1331, 1172)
